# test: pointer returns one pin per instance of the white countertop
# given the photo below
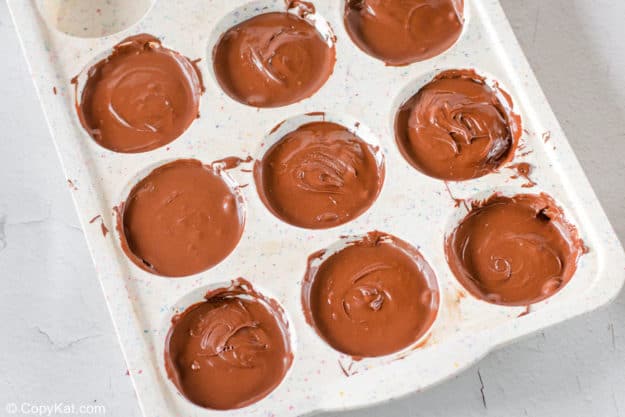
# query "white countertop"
(57, 342)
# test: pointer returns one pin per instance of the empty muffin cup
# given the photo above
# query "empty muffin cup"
(93, 18)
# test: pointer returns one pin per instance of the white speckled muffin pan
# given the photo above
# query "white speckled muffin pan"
(272, 254)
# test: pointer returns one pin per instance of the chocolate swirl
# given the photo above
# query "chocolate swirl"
(219, 332)
(229, 351)
(272, 60)
(362, 298)
(318, 176)
(457, 127)
(318, 170)
(514, 250)
(400, 32)
(141, 97)
(372, 298)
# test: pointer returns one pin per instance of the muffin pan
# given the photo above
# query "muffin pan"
(362, 94)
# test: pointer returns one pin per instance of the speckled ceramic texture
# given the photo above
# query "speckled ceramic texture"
(272, 254)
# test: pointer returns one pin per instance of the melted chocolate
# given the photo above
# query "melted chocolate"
(141, 97)
(400, 32)
(273, 59)
(181, 219)
(457, 127)
(319, 176)
(229, 351)
(514, 250)
(375, 297)
(523, 170)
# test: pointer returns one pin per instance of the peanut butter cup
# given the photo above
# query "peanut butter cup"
(319, 176)
(229, 351)
(514, 250)
(141, 97)
(400, 32)
(374, 297)
(183, 218)
(273, 59)
(458, 127)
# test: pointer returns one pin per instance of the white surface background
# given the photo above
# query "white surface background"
(56, 338)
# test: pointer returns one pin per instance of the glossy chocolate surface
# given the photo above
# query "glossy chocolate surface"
(457, 127)
(141, 97)
(183, 218)
(374, 297)
(318, 176)
(514, 250)
(229, 351)
(273, 59)
(400, 32)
